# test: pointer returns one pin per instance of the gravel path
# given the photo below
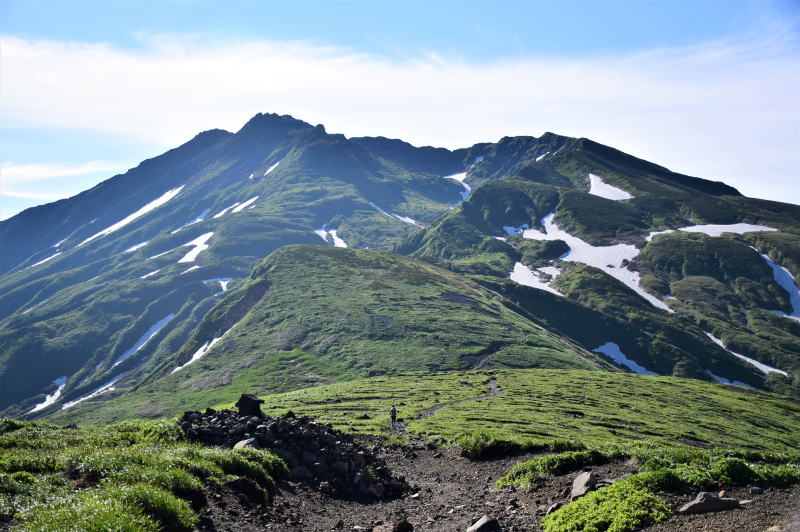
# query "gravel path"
(451, 492)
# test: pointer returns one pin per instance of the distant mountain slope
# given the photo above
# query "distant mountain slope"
(618, 216)
(101, 292)
(310, 315)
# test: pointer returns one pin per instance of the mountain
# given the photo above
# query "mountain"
(220, 257)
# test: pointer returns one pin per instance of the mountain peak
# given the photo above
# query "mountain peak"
(272, 121)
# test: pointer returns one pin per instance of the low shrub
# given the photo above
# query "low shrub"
(524, 474)
(486, 444)
(624, 506)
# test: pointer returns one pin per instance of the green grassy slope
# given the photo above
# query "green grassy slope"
(75, 314)
(133, 476)
(721, 285)
(311, 315)
(592, 407)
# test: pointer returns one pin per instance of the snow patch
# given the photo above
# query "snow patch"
(656, 233)
(723, 380)
(245, 204)
(331, 237)
(786, 281)
(152, 331)
(271, 168)
(162, 253)
(765, 368)
(107, 387)
(63, 240)
(137, 246)
(467, 189)
(718, 229)
(199, 244)
(612, 351)
(200, 218)
(598, 187)
(607, 258)
(205, 348)
(542, 156)
(161, 200)
(51, 398)
(714, 230)
(525, 276)
(145, 276)
(43, 260)
(190, 269)
(338, 242)
(223, 282)
(225, 210)
(400, 217)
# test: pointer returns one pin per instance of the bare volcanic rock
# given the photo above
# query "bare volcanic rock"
(317, 454)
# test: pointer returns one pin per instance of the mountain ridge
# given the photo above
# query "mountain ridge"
(204, 215)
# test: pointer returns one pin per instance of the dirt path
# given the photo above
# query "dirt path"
(494, 391)
(451, 492)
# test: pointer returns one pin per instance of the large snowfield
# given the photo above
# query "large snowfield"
(607, 258)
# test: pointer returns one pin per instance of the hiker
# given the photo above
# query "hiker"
(393, 414)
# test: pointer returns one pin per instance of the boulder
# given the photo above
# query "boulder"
(249, 442)
(485, 524)
(249, 405)
(708, 502)
(583, 484)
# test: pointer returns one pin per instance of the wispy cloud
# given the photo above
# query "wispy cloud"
(23, 173)
(726, 110)
(30, 181)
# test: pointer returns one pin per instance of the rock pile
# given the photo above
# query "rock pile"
(316, 453)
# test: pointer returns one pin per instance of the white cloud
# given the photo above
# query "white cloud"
(46, 181)
(726, 110)
(24, 173)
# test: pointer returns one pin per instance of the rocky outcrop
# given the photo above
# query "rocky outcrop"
(709, 502)
(317, 454)
(583, 484)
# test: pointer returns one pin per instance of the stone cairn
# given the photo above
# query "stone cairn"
(317, 454)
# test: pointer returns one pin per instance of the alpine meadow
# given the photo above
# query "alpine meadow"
(288, 329)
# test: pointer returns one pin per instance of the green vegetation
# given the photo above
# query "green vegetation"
(477, 445)
(549, 405)
(624, 506)
(313, 315)
(634, 501)
(524, 474)
(128, 476)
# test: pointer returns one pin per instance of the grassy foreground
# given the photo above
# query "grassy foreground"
(132, 476)
(591, 406)
(685, 435)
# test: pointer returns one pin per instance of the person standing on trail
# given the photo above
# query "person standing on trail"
(393, 414)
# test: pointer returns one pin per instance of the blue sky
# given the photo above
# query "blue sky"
(706, 88)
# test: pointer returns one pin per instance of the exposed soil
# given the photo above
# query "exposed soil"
(452, 492)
